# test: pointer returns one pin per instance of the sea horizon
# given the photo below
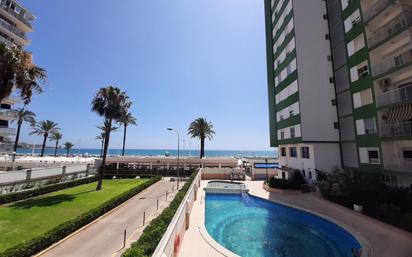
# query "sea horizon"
(154, 152)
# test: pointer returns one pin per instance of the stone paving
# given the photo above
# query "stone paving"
(384, 240)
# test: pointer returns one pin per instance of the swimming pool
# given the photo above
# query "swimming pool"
(251, 226)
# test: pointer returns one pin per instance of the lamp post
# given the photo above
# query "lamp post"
(267, 176)
(178, 153)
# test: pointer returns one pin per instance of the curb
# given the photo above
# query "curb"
(91, 223)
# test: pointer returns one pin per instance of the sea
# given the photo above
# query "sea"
(155, 152)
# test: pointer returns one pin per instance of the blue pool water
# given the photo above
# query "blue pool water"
(253, 227)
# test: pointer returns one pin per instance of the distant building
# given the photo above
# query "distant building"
(15, 23)
(340, 85)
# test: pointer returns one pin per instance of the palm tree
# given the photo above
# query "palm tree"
(102, 136)
(201, 129)
(68, 146)
(23, 115)
(101, 139)
(44, 128)
(127, 119)
(110, 102)
(18, 71)
(56, 136)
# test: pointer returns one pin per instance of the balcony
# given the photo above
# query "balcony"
(376, 8)
(8, 114)
(20, 16)
(7, 131)
(392, 63)
(395, 96)
(400, 129)
(12, 29)
(6, 147)
(394, 27)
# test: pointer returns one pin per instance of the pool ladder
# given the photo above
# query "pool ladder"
(365, 251)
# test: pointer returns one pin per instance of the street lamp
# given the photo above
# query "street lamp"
(178, 153)
(267, 176)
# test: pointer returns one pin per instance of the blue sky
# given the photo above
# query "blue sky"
(177, 60)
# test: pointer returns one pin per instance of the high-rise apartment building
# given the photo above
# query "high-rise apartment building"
(15, 23)
(339, 82)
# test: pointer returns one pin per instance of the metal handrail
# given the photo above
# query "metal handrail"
(12, 29)
(403, 94)
(395, 26)
(376, 8)
(392, 62)
(397, 129)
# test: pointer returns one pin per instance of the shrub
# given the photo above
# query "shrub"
(41, 242)
(294, 183)
(12, 197)
(389, 204)
(148, 241)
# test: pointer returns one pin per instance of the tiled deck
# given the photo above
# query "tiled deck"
(384, 240)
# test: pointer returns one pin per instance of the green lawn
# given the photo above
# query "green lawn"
(24, 220)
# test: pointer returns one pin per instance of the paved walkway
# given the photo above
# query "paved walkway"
(384, 239)
(105, 236)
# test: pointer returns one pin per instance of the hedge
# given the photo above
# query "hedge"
(294, 183)
(12, 197)
(47, 239)
(152, 234)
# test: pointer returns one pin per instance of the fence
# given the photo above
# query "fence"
(35, 173)
(179, 224)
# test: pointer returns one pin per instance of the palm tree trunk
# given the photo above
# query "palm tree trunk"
(103, 165)
(44, 145)
(67, 152)
(55, 148)
(101, 149)
(16, 142)
(202, 147)
(124, 139)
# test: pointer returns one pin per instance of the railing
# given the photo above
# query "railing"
(8, 131)
(13, 29)
(12, 114)
(376, 8)
(403, 94)
(397, 25)
(397, 129)
(391, 63)
(14, 14)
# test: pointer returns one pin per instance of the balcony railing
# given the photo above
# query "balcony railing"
(14, 14)
(12, 114)
(376, 8)
(7, 131)
(13, 29)
(392, 63)
(397, 130)
(400, 95)
(398, 24)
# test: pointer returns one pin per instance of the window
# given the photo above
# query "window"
(363, 71)
(310, 174)
(305, 152)
(292, 152)
(366, 126)
(336, 125)
(281, 117)
(407, 153)
(369, 155)
(282, 135)
(291, 113)
(292, 132)
(398, 60)
(304, 173)
(283, 151)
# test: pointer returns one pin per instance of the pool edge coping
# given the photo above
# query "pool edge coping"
(363, 242)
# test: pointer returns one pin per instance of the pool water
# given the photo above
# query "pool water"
(253, 227)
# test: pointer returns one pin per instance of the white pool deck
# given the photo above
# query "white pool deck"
(384, 240)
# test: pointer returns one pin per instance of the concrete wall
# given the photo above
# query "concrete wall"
(314, 70)
(218, 173)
